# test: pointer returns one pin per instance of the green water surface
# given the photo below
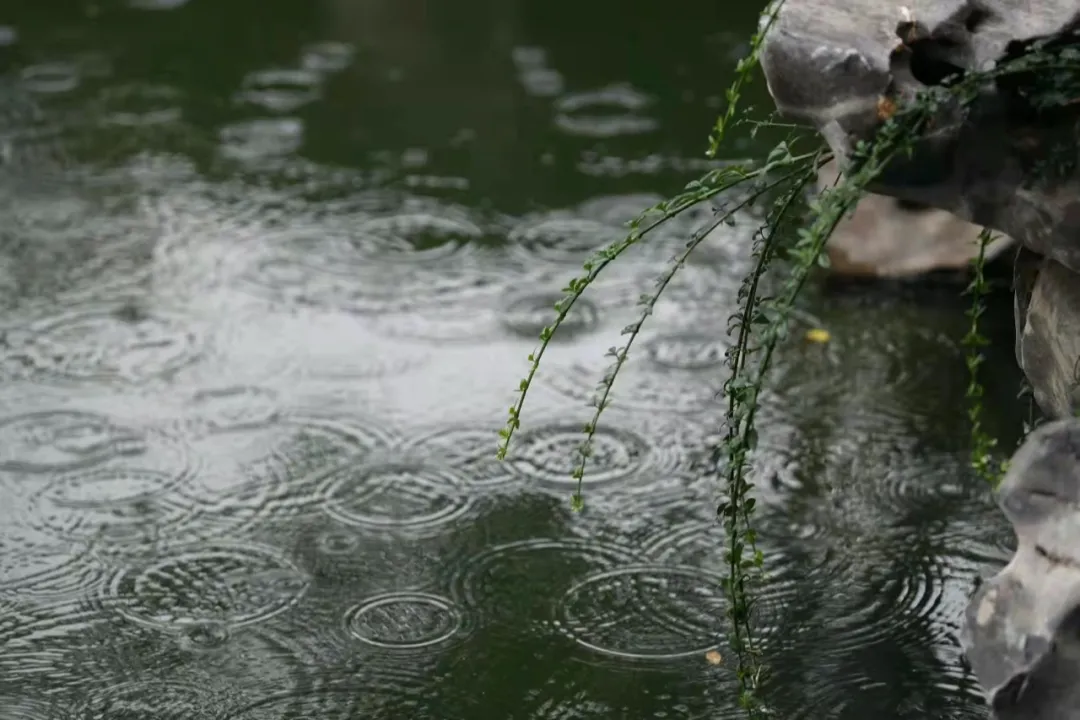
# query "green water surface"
(269, 274)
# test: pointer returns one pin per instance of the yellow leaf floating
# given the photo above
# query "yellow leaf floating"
(714, 657)
(817, 335)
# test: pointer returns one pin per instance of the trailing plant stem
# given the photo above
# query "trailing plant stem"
(982, 445)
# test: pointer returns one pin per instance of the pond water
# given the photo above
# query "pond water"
(269, 274)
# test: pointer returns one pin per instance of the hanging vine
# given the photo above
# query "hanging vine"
(795, 234)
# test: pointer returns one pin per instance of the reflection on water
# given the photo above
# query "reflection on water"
(269, 273)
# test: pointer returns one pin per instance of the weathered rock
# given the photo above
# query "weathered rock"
(1048, 336)
(830, 62)
(1022, 627)
(885, 237)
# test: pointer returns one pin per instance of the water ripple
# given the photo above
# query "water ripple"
(605, 113)
(872, 377)
(234, 408)
(37, 639)
(85, 478)
(395, 494)
(139, 105)
(36, 566)
(620, 456)
(362, 560)
(51, 78)
(103, 343)
(405, 621)
(558, 242)
(469, 451)
(367, 695)
(395, 263)
(699, 543)
(283, 477)
(156, 698)
(63, 440)
(489, 583)
(22, 708)
(262, 139)
(645, 612)
(280, 90)
(327, 56)
(307, 346)
(562, 238)
(63, 244)
(534, 74)
(521, 312)
(117, 507)
(682, 373)
(236, 584)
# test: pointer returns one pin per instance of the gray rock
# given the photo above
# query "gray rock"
(830, 63)
(1048, 335)
(1022, 627)
(885, 238)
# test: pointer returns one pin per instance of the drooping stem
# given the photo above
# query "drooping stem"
(982, 445)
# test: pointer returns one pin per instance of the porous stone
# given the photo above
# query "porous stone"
(1048, 334)
(831, 63)
(1022, 628)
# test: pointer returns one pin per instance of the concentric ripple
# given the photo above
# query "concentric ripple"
(121, 504)
(873, 377)
(605, 113)
(467, 450)
(681, 373)
(34, 565)
(547, 454)
(527, 314)
(520, 582)
(395, 495)
(140, 105)
(563, 238)
(262, 139)
(284, 475)
(700, 543)
(228, 583)
(87, 479)
(132, 700)
(235, 408)
(567, 238)
(372, 563)
(391, 263)
(63, 440)
(51, 78)
(903, 613)
(70, 246)
(417, 236)
(405, 620)
(327, 56)
(368, 695)
(552, 247)
(280, 90)
(101, 344)
(519, 313)
(645, 612)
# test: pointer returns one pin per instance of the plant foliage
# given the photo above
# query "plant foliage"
(795, 232)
